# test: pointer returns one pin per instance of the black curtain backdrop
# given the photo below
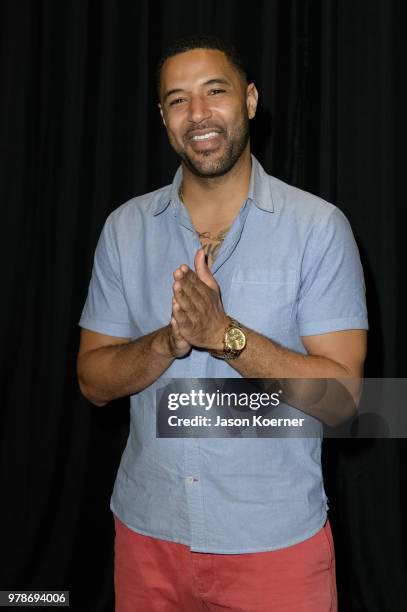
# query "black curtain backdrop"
(80, 134)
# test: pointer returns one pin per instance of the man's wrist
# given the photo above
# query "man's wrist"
(162, 343)
(234, 341)
(219, 335)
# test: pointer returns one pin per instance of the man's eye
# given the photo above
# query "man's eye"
(216, 91)
(176, 101)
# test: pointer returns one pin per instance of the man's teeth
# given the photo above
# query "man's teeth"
(205, 136)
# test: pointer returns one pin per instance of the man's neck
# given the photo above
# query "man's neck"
(220, 196)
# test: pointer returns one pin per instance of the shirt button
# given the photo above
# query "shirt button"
(191, 479)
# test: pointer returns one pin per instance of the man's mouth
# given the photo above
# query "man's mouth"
(205, 140)
(205, 136)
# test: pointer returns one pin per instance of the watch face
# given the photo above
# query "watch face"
(236, 340)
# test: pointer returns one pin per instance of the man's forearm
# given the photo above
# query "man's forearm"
(110, 372)
(328, 400)
(263, 358)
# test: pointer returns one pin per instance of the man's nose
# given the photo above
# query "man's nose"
(199, 109)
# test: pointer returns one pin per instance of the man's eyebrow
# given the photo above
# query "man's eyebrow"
(214, 81)
(209, 82)
(172, 91)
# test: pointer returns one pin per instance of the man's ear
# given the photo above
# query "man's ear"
(162, 114)
(252, 97)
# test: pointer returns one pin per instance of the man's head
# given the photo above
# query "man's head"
(206, 104)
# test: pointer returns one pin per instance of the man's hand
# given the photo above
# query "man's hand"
(179, 347)
(197, 306)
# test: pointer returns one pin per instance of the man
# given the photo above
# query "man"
(210, 524)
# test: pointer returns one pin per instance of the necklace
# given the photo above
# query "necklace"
(206, 235)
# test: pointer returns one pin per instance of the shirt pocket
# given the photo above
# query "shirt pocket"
(263, 300)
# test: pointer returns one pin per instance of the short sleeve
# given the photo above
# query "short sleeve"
(106, 310)
(332, 292)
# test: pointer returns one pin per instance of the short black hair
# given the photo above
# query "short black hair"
(201, 41)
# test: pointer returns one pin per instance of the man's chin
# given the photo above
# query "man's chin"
(208, 164)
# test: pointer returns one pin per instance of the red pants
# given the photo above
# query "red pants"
(153, 575)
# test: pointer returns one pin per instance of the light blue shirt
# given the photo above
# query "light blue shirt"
(288, 267)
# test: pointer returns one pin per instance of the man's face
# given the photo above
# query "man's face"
(206, 106)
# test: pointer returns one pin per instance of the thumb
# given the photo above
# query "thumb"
(203, 271)
(175, 328)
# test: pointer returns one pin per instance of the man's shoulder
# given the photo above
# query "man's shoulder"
(293, 200)
(140, 206)
(290, 202)
(298, 212)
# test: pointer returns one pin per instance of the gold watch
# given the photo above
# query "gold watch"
(234, 341)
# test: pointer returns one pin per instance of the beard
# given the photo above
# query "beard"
(203, 164)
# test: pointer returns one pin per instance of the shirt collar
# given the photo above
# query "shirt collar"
(259, 190)
(259, 187)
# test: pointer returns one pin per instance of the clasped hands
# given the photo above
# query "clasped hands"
(198, 317)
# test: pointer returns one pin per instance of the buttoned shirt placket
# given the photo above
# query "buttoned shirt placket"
(192, 461)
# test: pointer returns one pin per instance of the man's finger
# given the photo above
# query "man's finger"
(175, 328)
(179, 314)
(191, 282)
(203, 272)
(180, 272)
(187, 297)
(198, 298)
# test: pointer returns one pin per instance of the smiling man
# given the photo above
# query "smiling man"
(225, 273)
(211, 146)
